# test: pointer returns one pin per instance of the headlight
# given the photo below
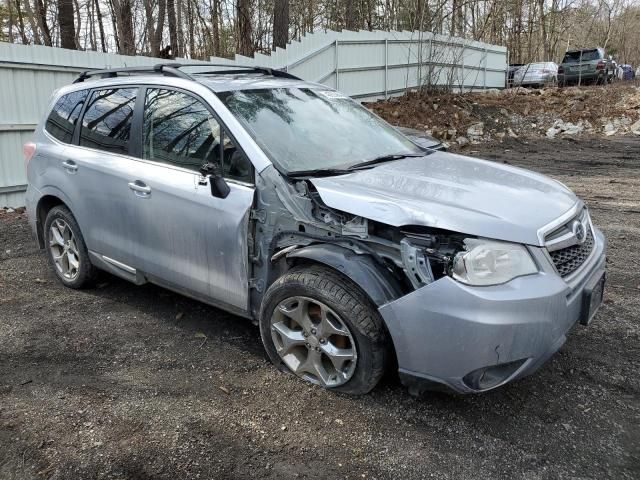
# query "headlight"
(488, 262)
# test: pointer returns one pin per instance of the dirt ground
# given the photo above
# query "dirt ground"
(487, 116)
(126, 382)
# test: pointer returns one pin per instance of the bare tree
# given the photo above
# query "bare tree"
(10, 20)
(244, 43)
(100, 26)
(532, 30)
(215, 26)
(351, 20)
(32, 22)
(66, 24)
(23, 33)
(280, 23)
(78, 25)
(173, 29)
(154, 33)
(191, 29)
(123, 20)
(42, 21)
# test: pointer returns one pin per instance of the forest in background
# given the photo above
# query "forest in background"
(532, 30)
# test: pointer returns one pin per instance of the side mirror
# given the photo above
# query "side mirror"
(219, 187)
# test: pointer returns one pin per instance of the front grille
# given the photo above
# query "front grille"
(568, 260)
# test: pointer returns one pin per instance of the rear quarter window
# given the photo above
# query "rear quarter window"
(64, 115)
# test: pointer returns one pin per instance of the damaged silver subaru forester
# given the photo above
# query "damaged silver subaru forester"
(283, 201)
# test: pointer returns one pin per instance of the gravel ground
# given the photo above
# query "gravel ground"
(130, 382)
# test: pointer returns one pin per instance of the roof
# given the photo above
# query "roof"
(217, 77)
(214, 83)
(583, 49)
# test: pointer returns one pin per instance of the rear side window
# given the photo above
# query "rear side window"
(62, 119)
(106, 124)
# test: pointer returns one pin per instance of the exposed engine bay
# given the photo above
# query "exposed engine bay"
(414, 255)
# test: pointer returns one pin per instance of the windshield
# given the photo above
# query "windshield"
(302, 129)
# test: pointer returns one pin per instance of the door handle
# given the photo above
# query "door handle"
(140, 188)
(70, 166)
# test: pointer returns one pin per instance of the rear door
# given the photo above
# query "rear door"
(97, 166)
(190, 240)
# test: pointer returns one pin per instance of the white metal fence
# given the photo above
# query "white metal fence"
(364, 65)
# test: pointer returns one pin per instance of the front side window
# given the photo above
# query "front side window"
(302, 129)
(179, 130)
(106, 124)
(62, 119)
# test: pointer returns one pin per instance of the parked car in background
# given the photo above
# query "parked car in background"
(627, 72)
(288, 203)
(536, 74)
(421, 138)
(513, 68)
(584, 66)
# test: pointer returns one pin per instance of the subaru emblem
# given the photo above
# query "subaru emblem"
(579, 231)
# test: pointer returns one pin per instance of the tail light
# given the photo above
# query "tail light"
(28, 150)
(600, 65)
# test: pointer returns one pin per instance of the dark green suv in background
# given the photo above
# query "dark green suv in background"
(587, 65)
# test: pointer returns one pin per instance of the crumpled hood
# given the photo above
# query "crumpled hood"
(451, 192)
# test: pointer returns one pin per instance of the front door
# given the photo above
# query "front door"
(190, 240)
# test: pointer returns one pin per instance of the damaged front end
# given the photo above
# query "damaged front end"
(463, 311)
(293, 224)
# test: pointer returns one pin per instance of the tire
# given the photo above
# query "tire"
(79, 273)
(323, 292)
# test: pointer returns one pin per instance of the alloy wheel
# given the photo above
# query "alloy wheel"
(64, 250)
(313, 341)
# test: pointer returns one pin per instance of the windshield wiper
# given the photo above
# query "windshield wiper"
(319, 172)
(382, 159)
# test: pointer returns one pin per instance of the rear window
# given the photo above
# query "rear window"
(587, 55)
(62, 119)
(106, 124)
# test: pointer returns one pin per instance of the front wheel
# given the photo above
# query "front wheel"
(319, 325)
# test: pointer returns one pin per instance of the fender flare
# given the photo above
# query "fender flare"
(369, 275)
(48, 191)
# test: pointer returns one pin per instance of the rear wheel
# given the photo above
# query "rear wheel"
(66, 249)
(320, 326)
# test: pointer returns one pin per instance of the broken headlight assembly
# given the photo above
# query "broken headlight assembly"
(489, 262)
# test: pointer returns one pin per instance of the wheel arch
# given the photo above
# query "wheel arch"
(45, 204)
(366, 273)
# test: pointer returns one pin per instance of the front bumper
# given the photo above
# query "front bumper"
(445, 331)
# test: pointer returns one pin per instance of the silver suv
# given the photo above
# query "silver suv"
(288, 203)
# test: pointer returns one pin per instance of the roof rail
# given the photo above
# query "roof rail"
(167, 69)
(173, 70)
